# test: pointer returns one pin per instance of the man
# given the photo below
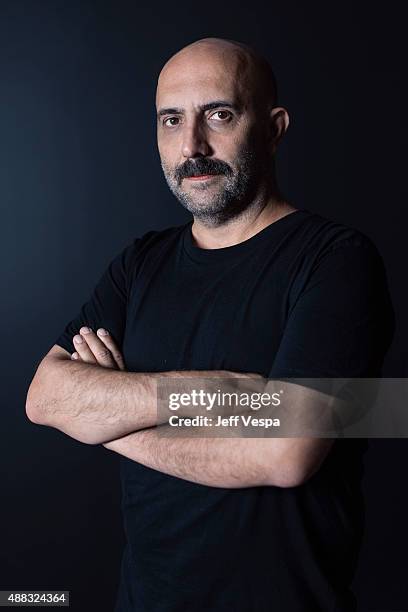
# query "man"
(255, 288)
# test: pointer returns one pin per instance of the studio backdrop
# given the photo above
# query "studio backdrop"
(81, 178)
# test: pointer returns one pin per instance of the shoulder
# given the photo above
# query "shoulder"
(329, 257)
(324, 238)
(147, 244)
(325, 233)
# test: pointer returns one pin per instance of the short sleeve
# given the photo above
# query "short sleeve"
(107, 305)
(342, 322)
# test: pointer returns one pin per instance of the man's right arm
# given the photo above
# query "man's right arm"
(95, 404)
(74, 396)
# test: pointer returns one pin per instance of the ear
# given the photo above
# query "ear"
(279, 123)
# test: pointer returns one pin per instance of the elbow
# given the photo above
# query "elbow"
(39, 395)
(43, 407)
(287, 477)
(31, 415)
(33, 407)
(37, 414)
(287, 481)
(299, 461)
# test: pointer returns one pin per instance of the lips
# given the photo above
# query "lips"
(200, 177)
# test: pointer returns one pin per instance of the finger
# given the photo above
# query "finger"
(75, 356)
(109, 342)
(84, 352)
(98, 349)
(90, 349)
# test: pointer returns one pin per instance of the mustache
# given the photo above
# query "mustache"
(203, 165)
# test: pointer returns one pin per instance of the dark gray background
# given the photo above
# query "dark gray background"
(80, 177)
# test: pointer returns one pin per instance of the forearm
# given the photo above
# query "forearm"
(239, 460)
(233, 462)
(94, 404)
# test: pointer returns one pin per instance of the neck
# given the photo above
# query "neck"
(262, 212)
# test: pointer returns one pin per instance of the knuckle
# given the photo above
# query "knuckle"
(103, 353)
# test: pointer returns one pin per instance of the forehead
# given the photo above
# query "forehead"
(196, 76)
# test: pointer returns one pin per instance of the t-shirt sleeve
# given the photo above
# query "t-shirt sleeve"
(342, 320)
(107, 305)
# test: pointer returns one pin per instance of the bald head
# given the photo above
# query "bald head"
(252, 73)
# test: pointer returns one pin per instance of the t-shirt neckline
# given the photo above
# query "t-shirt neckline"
(224, 253)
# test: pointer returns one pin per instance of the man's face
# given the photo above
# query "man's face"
(209, 137)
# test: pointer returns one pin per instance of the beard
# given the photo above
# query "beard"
(224, 197)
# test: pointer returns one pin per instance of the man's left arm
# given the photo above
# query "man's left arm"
(225, 462)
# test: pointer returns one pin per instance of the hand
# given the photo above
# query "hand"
(98, 348)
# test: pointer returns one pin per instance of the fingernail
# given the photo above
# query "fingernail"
(78, 339)
(74, 355)
(102, 332)
(85, 330)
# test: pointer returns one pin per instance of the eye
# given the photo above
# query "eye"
(222, 116)
(169, 121)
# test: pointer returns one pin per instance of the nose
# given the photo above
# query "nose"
(195, 143)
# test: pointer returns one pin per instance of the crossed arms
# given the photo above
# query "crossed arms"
(94, 400)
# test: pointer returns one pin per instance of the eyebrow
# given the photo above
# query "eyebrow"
(203, 107)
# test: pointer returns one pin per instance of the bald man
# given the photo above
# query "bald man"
(251, 287)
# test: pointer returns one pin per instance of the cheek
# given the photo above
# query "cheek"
(225, 149)
(166, 160)
(229, 146)
(169, 151)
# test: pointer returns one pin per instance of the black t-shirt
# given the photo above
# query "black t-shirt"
(304, 297)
